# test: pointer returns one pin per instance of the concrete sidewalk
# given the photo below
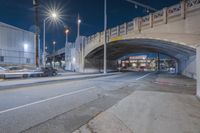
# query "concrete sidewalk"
(5, 84)
(149, 112)
(176, 80)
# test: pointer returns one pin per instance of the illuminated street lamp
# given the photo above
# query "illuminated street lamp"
(82, 47)
(54, 50)
(53, 15)
(78, 24)
(54, 44)
(66, 58)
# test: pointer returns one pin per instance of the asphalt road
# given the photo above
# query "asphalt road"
(63, 106)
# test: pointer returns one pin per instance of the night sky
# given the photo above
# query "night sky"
(20, 13)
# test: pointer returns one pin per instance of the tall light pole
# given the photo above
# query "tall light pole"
(66, 46)
(54, 50)
(52, 16)
(105, 38)
(78, 26)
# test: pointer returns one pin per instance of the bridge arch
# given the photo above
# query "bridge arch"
(184, 54)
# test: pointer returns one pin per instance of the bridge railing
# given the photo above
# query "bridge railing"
(130, 26)
(174, 10)
(192, 4)
(149, 21)
(145, 21)
(158, 16)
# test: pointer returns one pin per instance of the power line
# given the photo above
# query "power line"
(141, 5)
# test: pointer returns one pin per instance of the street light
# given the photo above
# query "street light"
(53, 15)
(54, 50)
(66, 32)
(78, 36)
(78, 23)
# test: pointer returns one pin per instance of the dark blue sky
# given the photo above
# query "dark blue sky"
(21, 14)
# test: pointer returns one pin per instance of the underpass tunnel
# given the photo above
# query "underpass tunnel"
(184, 56)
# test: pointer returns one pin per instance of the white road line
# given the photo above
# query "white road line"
(143, 76)
(45, 100)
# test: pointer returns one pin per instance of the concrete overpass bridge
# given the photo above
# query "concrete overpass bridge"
(174, 31)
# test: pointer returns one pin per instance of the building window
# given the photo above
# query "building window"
(1, 58)
(28, 60)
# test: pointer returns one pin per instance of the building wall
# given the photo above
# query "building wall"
(17, 46)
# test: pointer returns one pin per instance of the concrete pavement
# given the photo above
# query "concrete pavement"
(34, 108)
(66, 106)
(149, 112)
(163, 105)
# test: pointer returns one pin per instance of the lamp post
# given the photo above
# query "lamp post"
(78, 26)
(54, 50)
(53, 16)
(105, 27)
(78, 37)
(66, 46)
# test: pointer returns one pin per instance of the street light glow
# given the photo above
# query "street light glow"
(79, 21)
(54, 15)
(67, 31)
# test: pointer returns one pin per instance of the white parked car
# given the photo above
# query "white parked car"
(18, 72)
(2, 72)
(2, 69)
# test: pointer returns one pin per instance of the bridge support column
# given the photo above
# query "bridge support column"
(198, 70)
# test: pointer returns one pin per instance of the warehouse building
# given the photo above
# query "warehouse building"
(17, 46)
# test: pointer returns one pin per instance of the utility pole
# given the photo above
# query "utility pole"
(105, 37)
(36, 6)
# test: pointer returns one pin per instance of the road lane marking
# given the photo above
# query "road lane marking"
(45, 100)
(143, 76)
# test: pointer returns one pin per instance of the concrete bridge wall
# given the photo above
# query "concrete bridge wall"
(96, 65)
(176, 25)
